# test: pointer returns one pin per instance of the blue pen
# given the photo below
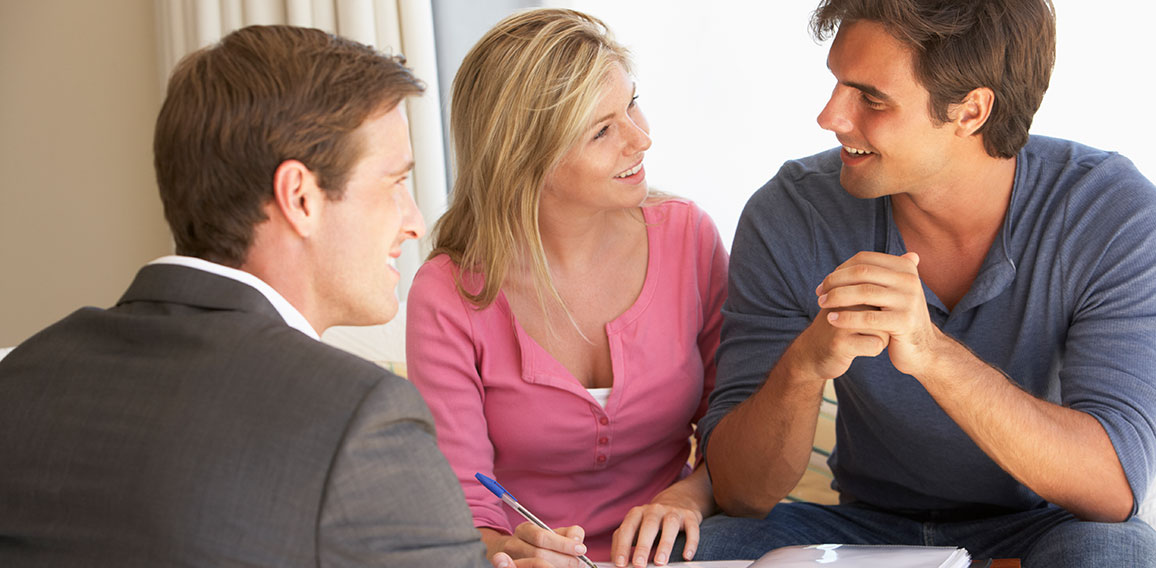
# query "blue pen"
(497, 489)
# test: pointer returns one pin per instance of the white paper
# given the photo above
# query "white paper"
(708, 564)
(864, 556)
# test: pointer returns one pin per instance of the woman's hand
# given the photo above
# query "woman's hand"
(533, 547)
(678, 508)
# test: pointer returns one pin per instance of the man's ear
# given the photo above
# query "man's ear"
(296, 196)
(971, 114)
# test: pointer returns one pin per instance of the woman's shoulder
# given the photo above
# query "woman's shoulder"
(439, 276)
(678, 214)
(673, 207)
(438, 269)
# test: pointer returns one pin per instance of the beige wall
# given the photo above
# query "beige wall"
(79, 92)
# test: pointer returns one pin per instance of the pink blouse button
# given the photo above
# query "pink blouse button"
(604, 421)
(601, 459)
(603, 440)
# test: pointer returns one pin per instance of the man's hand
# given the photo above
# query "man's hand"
(828, 346)
(890, 288)
(1051, 449)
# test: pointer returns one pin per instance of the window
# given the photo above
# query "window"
(732, 88)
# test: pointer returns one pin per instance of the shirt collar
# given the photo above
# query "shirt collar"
(283, 307)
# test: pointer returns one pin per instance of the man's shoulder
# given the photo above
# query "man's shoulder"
(1062, 149)
(804, 192)
(1072, 162)
(237, 363)
(224, 350)
(824, 163)
(813, 179)
(330, 367)
(231, 418)
(1097, 186)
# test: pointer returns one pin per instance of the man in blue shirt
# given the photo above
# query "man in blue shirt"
(981, 298)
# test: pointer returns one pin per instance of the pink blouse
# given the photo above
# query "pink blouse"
(505, 408)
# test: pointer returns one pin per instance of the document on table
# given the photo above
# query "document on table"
(864, 556)
(707, 564)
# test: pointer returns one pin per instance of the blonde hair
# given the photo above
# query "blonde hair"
(522, 98)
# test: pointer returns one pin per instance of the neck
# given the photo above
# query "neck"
(576, 241)
(277, 261)
(970, 207)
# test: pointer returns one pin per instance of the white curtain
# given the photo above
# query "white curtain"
(392, 26)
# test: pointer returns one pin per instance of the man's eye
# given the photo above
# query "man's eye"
(871, 103)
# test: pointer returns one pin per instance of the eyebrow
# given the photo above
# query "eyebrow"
(633, 91)
(404, 169)
(869, 90)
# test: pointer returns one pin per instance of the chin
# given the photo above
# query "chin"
(373, 314)
(380, 314)
(389, 313)
(387, 304)
(858, 187)
(640, 198)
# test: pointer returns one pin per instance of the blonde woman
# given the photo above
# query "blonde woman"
(564, 329)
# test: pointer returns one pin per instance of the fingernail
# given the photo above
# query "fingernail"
(822, 299)
(660, 558)
(819, 289)
(503, 563)
(640, 561)
(620, 561)
(832, 316)
(580, 549)
(688, 553)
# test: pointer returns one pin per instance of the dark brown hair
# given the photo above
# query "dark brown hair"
(1008, 46)
(238, 109)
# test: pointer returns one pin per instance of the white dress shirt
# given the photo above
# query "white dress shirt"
(287, 311)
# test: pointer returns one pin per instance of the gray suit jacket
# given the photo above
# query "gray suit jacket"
(190, 426)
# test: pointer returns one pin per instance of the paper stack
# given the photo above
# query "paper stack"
(865, 556)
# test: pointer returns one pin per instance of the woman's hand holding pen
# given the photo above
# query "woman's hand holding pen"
(680, 507)
(533, 547)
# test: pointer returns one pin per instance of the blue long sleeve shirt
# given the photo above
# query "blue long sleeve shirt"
(1064, 304)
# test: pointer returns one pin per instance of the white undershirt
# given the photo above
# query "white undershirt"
(283, 307)
(600, 395)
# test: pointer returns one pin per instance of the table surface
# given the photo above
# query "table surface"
(996, 563)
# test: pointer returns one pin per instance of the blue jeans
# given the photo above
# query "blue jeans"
(1042, 538)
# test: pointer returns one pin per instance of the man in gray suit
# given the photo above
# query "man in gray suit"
(199, 422)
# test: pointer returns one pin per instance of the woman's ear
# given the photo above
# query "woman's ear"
(296, 196)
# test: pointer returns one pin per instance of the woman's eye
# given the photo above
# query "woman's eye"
(633, 101)
(602, 132)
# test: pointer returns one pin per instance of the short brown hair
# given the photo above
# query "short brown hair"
(1008, 46)
(238, 109)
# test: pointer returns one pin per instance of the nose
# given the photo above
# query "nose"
(834, 116)
(412, 222)
(639, 135)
